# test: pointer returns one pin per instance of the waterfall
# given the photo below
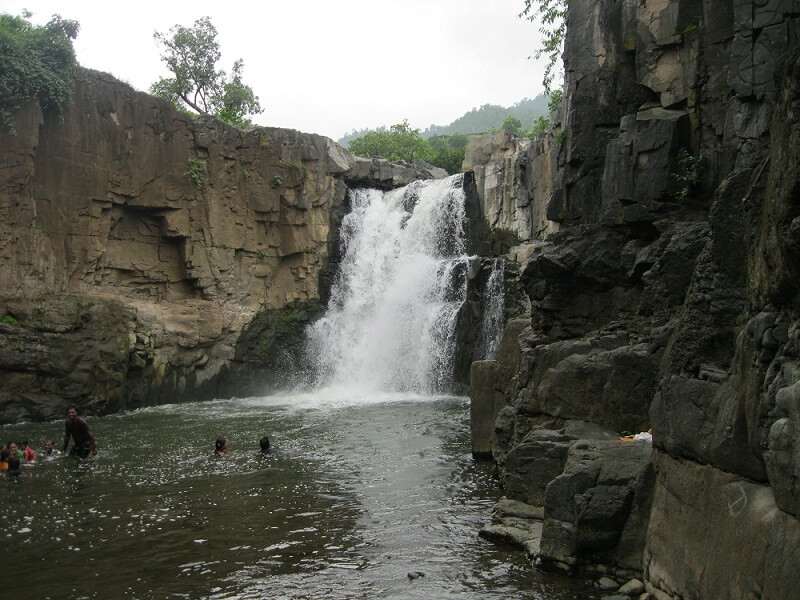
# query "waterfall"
(494, 306)
(390, 325)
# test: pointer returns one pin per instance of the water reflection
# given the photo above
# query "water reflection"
(355, 498)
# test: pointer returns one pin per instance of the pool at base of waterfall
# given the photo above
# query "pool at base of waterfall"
(373, 497)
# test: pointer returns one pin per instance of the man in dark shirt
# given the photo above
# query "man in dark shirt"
(83, 438)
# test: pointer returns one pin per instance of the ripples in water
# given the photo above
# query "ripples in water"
(359, 493)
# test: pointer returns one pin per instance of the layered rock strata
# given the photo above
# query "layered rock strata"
(667, 300)
(149, 256)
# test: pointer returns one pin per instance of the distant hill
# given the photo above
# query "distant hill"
(477, 120)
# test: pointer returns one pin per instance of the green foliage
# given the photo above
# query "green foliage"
(447, 152)
(401, 142)
(477, 120)
(552, 18)
(297, 168)
(277, 181)
(690, 169)
(538, 126)
(693, 26)
(191, 55)
(512, 124)
(197, 171)
(556, 97)
(37, 62)
(9, 320)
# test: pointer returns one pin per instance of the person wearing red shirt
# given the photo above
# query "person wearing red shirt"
(30, 455)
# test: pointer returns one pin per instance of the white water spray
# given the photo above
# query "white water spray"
(494, 307)
(391, 321)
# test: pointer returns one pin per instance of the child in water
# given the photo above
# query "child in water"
(221, 447)
(264, 442)
(13, 468)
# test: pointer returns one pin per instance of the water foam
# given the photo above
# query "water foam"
(391, 321)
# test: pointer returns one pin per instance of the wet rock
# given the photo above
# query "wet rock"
(606, 584)
(412, 575)
(632, 588)
(518, 533)
(506, 507)
(596, 510)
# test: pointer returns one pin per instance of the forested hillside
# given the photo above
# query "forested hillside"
(477, 120)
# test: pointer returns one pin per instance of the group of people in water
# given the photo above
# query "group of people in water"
(221, 446)
(14, 455)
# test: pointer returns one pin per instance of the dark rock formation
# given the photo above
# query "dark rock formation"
(668, 299)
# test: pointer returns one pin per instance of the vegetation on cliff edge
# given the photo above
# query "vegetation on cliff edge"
(36, 62)
(191, 55)
(402, 142)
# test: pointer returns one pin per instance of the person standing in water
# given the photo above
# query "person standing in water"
(78, 429)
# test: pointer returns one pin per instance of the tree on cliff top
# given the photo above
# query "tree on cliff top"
(401, 142)
(35, 62)
(552, 15)
(191, 55)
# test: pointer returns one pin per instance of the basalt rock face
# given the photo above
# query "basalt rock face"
(143, 251)
(667, 300)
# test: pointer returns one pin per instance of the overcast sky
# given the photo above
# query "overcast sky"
(328, 66)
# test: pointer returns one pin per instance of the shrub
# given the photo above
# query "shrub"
(197, 171)
(38, 62)
(689, 172)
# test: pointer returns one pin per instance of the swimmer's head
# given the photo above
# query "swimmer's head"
(264, 441)
(221, 444)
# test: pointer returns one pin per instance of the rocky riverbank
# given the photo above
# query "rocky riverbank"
(667, 299)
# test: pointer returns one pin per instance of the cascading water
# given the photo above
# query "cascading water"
(493, 302)
(391, 321)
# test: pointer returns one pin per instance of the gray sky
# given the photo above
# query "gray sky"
(328, 66)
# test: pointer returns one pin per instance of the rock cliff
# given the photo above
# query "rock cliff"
(149, 256)
(664, 295)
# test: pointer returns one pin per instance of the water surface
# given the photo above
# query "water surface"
(358, 495)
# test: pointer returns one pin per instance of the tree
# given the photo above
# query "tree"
(191, 55)
(512, 124)
(401, 142)
(447, 152)
(552, 15)
(37, 62)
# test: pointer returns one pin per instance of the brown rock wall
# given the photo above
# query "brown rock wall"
(187, 226)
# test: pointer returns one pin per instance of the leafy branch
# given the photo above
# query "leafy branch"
(552, 17)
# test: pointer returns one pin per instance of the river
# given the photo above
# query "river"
(358, 494)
